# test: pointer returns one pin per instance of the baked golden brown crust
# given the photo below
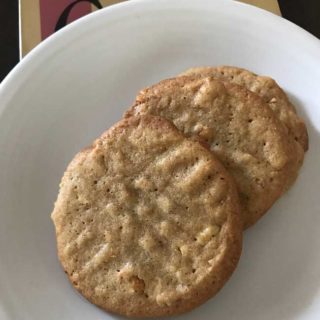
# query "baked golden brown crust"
(267, 89)
(147, 221)
(240, 129)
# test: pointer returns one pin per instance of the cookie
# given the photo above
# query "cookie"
(268, 90)
(147, 221)
(239, 128)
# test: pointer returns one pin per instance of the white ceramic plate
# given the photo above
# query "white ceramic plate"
(78, 82)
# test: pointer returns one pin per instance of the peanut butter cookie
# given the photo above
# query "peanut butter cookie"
(239, 127)
(147, 221)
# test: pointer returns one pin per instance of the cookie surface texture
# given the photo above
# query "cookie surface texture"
(268, 90)
(147, 221)
(239, 128)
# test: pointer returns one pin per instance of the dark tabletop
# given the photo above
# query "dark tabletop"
(305, 13)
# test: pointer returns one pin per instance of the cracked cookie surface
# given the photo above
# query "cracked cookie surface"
(267, 89)
(147, 221)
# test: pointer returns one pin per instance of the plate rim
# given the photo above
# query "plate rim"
(52, 43)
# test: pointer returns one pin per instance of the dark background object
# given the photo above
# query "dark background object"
(62, 21)
(9, 36)
(305, 13)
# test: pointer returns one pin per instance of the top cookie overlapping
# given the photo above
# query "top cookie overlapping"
(239, 127)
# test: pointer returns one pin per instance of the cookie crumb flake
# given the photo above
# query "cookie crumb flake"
(207, 234)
